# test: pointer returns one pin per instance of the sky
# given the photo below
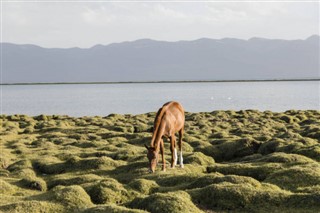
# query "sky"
(87, 23)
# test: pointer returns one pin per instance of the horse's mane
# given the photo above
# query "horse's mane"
(157, 122)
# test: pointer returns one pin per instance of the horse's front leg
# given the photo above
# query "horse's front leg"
(162, 154)
(174, 156)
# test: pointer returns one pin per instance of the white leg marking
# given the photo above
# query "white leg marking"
(175, 156)
(181, 160)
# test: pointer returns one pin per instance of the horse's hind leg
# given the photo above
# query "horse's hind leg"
(180, 147)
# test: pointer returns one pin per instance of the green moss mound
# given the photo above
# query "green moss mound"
(171, 202)
(215, 178)
(33, 182)
(33, 206)
(74, 197)
(112, 208)
(312, 151)
(108, 191)
(295, 177)
(6, 188)
(199, 158)
(280, 157)
(78, 180)
(56, 166)
(49, 165)
(228, 196)
(258, 171)
(103, 162)
(234, 149)
(25, 173)
(304, 202)
(169, 180)
(143, 186)
(312, 131)
(19, 165)
(309, 189)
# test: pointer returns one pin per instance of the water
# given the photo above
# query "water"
(103, 99)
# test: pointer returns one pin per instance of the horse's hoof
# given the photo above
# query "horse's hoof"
(182, 166)
(163, 170)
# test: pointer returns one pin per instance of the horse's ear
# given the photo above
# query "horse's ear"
(146, 147)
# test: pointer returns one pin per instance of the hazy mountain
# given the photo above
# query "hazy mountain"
(149, 60)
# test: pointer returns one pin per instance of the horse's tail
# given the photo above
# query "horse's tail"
(157, 122)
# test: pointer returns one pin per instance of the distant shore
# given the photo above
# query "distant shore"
(157, 82)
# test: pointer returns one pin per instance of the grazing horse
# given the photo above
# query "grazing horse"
(168, 121)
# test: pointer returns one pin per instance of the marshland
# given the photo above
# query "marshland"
(234, 161)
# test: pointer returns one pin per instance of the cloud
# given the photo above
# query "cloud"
(85, 24)
(162, 11)
(99, 17)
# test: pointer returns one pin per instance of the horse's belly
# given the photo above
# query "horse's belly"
(169, 132)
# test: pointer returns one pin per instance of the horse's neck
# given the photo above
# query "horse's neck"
(158, 128)
(157, 136)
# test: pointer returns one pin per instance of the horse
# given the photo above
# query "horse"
(169, 120)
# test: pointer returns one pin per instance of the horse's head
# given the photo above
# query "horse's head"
(153, 158)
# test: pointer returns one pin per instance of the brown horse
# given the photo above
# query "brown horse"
(168, 121)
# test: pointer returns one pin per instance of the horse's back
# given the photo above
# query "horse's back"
(174, 116)
(170, 112)
(176, 109)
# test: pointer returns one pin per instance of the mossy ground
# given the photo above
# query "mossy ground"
(244, 161)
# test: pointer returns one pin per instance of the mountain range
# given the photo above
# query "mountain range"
(149, 60)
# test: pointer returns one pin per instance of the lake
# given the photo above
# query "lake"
(137, 98)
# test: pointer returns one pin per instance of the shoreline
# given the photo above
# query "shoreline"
(160, 82)
(152, 112)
